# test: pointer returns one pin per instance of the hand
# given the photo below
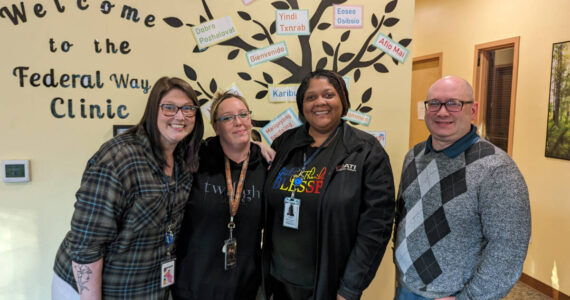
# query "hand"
(267, 152)
(339, 297)
(445, 298)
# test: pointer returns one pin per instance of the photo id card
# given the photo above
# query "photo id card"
(291, 212)
(167, 273)
(230, 253)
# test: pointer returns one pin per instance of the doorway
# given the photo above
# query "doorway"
(494, 86)
(425, 71)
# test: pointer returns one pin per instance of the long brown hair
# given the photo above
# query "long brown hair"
(187, 149)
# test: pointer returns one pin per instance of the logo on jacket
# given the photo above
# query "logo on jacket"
(311, 180)
(346, 167)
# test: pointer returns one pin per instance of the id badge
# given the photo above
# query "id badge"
(230, 253)
(167, 273)
(291, 212)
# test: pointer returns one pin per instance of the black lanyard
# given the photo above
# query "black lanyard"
(169, 235)
(297, 182)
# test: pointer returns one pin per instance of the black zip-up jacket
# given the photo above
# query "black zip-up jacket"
(355, 216)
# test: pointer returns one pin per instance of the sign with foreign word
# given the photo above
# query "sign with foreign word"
(234, 89)
(357, 117)
(283, 92)
(391, 48)
(283, 122)
(268, 53)
(380, 136)
(346, 16)
(214, 32)
(292, 22)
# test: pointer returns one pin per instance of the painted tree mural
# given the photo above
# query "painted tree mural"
(335, 58)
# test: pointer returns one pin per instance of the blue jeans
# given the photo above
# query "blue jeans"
(403, 293)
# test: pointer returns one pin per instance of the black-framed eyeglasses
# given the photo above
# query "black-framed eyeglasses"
(452, 105)
(170, 110)
(244, 115)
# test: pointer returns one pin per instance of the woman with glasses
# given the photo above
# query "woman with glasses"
(330, 201)
(220, 242)
(130, 204)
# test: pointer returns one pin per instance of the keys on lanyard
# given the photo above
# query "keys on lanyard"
(230, 245)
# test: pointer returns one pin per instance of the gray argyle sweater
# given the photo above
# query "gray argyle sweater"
(463, 222)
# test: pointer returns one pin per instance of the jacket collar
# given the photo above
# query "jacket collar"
(302, 138)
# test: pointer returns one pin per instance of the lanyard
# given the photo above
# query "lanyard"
(234, 196)
(297, 182)
(169, 235)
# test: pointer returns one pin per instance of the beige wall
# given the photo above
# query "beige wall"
(454, 28)
(35, 216)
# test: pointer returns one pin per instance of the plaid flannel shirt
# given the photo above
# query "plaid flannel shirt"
(121, 216)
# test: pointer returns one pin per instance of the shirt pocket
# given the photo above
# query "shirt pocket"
(147, 212)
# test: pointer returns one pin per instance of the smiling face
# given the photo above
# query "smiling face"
(174, 129)
(447, 127)
(322, 107)
(233, 133)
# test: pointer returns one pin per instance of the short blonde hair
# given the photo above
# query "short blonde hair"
(218, 99)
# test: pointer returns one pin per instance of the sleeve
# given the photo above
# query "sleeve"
(400, 203)
(374, 226)
(506, 226)
(94, 223)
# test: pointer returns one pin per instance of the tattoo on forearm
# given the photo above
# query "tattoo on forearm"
(83, 277)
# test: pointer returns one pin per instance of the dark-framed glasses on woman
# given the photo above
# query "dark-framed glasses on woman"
(170, 110)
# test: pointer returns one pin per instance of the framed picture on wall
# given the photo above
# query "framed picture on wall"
(118, 129)
(558, 123)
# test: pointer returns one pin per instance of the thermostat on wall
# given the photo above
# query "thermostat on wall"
(16, 170)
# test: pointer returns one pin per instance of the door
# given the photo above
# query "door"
(494, 86)
(425, 71)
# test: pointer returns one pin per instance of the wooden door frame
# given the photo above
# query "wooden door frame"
(419, 59)
(480, 82)
(434, 56)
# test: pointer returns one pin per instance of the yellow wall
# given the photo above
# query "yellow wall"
(35, 216)
(454, 28)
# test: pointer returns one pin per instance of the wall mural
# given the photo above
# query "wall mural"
(368, 49)
(344, 62)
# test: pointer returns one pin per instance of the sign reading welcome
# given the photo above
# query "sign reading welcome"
(391, 48)
(347, 16)
(292, 22)
(269, 53)
(283, 122)
(214, 32)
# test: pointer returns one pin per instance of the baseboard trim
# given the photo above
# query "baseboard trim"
(543, 288)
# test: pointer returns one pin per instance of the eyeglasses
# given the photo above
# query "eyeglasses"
(170, 110)
(452, 105)
(244, 115)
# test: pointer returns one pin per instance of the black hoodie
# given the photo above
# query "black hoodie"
(200, 261)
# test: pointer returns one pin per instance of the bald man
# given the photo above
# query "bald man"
(462, 216)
